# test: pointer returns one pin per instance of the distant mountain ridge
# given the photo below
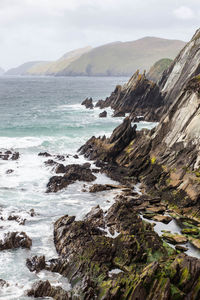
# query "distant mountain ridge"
(114, 59)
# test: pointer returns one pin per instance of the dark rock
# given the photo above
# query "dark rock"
(17, 219)
(36, 263)
(46, 154)
(73, 173)
(75, 156)
(103, 114)
(15, 240)
(9, 171)
(45, 289)
(7, 155)
(32, 212)
(117, 114)
(3, 283)
(181, 248)
(88, 103)
(61, 157)
(137, 119)
(99, 188)
(60, 168)
(50, 162)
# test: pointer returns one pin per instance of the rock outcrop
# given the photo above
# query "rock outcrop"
(167, 159)
(88, 103)
(72, 173)
(15, 240)
(45, 289)
(139, 97)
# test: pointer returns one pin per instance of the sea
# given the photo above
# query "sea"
(44, 114)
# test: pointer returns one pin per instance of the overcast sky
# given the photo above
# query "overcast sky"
(46, 29)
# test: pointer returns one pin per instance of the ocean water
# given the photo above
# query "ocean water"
(37, 115)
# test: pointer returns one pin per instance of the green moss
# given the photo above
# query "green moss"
(153, 160)
(185, 276)
(176, 294)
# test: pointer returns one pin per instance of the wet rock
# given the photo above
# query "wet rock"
(118, 114)
(181, 248)
(103, 114)
(50, 162)
(195, 242)
(163, 219)
(9, 171)
(60, 168)
(36, 263)
(137, 119)
(88, 103)
(18, 219)
(156, 209)
(102, 187)
(46, 154)
(3, 283)
(61, 157)
(45, 289)
(32, 212)
(96, 217)
(73, 173)
(15, 240)
(9, 155)
(75, 156)
(175, 238)
(190, 231)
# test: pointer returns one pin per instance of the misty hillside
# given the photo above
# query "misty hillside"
(23, 69)
(115, 59)
(52, 68)
(158, 68)
(124, 58)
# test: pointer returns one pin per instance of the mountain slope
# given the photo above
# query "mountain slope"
(124, 58)
(23, 69)
(158, 68)
(53, 68)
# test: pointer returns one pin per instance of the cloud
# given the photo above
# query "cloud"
(184, 13)
(46, 29)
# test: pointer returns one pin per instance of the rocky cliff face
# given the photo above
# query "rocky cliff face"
(139, 97)
(167, 159)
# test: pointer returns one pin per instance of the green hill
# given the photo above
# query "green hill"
(115, 59)
(125, 58)
(158, 68)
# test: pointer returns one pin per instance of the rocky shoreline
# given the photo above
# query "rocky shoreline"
(116, 254)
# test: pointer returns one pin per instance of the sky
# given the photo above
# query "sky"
(32, 30)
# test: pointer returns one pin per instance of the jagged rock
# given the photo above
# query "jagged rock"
(15, 240)
(3, 283)
(9, 171)
(181, 248)
(175, 238)
(75, 156)
(156, 209)
(60, 168)
(73, 173)
(46, 154)
(88, 103)
(50, 162)
(45, 289)
(103, 114)
(118, 114)
(103, 187)
(163, 219)
(18, 219)
(36, 263)
(9, 155)
(190, 231)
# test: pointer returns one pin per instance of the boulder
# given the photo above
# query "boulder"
(46, 154)
(103, 114)
(175, 238)
(45, 289)
(36, 263)
(9, 155)
(15, 240)
(163, 219)
(72, 173)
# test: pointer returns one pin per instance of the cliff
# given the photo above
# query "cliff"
(166, 159)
